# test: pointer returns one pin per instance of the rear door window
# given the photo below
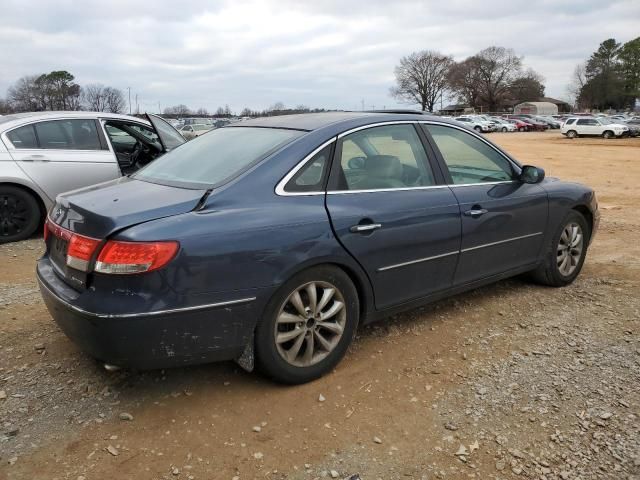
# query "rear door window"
(23, 137)
(68, 135)
(383, 158)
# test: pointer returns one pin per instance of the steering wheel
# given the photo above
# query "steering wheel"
(135, 156)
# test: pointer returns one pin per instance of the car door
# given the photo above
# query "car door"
(169, 136)
(390, 210)
(503, 219)
(588, 126)
(63, 154)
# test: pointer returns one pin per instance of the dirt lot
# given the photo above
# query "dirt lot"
(510, 381)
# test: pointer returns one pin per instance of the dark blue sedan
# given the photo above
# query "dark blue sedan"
(273, 239)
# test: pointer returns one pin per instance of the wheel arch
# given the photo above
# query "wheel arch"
(587, 214)
(354, 272)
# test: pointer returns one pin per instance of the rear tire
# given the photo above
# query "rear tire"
(296, 342)
(19, 214)
(572, 134)
(565, 254)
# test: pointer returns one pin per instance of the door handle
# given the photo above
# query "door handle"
(476, 212)
(366, 227)
(35, 158)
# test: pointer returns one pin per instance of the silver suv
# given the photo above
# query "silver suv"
(43, 154)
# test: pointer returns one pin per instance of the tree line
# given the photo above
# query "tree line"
(487, 80)
(57, 90)
(277, 108)
(610, 78)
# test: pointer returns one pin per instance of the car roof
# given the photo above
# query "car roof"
(315, 121)
(10, 121)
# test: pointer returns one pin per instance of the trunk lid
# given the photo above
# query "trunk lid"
(101, 210)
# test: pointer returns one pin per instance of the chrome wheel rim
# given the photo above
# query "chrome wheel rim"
(310, 324)
(570, 248)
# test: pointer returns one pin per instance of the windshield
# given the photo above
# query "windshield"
(215, 158)
(605, 121)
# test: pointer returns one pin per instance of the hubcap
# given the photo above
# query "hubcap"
(13, 215)
(570, 248)
(310, 323)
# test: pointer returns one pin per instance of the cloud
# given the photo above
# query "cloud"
(329, 53)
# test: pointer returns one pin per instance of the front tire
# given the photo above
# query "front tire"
(504, 129)
(307, 325)
(19, 214)
(607, 134)
(566, 253)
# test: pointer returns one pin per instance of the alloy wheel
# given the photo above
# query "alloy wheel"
(14, 215)
(570, 247)
(310, 324)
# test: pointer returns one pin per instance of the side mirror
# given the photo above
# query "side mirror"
(531, 174)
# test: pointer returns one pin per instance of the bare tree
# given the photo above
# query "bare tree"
(93, 97)
(24, 96)
(498, 67)
(180, 110)
(114, 99)
(577, 81)
(464, 81)
(421, 78)
(202, 112)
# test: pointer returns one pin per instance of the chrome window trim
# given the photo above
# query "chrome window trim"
(282, 183)
(374, 190)
(419, 260)
(10, 146)
(280, 191)
(469, 249)
(143, 314)
(373, 125)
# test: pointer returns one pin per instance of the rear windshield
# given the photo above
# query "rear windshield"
(215, 158)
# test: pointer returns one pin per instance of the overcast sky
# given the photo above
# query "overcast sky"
(325, 53)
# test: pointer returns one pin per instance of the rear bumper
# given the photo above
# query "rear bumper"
(152, 339)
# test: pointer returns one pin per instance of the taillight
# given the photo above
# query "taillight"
(134, 257)
(80, 251)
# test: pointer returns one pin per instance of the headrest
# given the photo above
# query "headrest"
(383, 166)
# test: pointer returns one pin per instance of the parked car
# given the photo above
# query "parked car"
(43, 154)
(194, 130)
(550, 121)
(503, 125)
(591, 126)
(274, 238)
(521, 125)
(535, 124)
(480, 126)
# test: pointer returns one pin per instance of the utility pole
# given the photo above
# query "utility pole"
(362, 102)
(137, 106)
(159, 111)
(129, 88)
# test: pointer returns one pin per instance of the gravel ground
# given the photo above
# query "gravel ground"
(513, 380)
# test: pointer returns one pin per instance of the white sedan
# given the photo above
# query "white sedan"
(195, 130)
